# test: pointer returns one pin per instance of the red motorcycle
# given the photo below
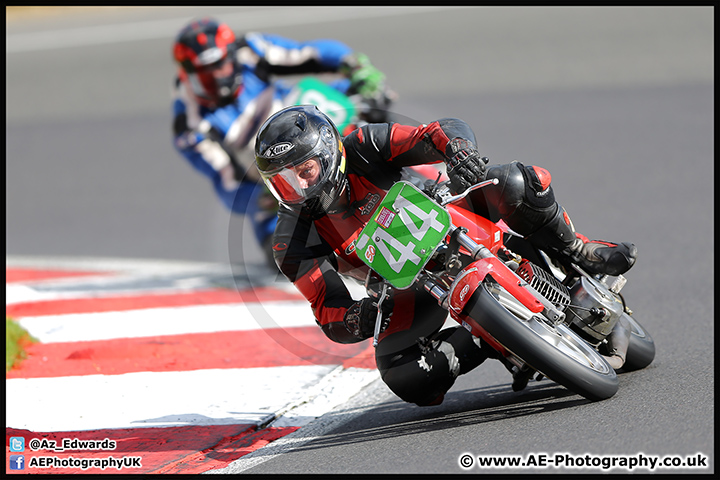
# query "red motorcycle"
(569, 326)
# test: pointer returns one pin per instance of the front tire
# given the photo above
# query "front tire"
(553, 350)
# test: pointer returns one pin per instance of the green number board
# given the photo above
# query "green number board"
(311, 91)
(402, 234)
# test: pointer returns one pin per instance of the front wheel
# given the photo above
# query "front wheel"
(553, 350)
(641, 347)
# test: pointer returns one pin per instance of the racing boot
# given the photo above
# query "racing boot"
(521, 376)
(560, 240)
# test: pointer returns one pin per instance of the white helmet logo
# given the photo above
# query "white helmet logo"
(278, 149)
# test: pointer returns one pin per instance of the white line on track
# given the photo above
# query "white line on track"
(150, 322)
(162, 399)
(373, 394)
(163, 29)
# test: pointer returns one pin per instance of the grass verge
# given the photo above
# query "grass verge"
(16, 339)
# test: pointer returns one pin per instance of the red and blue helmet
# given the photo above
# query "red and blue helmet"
(205, 51)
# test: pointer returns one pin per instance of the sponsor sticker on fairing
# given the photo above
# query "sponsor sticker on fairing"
(385, 217)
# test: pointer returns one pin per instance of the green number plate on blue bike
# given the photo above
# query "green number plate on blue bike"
(311, 91)
(402, 234)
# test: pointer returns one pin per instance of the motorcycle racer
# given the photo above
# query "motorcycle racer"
(225, 87)
(327, 188)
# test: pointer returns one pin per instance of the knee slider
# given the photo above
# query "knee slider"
(556, 234)
(505, 197)
(465, 348)
(421, 375)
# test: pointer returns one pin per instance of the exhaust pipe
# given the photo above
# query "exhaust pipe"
(617, 343)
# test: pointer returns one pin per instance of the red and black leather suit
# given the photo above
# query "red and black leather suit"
(416, 360)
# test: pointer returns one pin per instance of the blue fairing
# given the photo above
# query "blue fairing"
(330, 52)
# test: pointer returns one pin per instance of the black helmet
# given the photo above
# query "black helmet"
(301, 158)
(205, 52)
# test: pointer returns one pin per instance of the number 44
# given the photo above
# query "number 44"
(406, 211)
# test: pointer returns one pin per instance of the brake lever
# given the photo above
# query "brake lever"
(477, 186)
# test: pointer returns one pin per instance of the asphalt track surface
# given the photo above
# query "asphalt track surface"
(617, 103)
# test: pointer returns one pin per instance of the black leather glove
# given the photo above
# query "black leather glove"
(360, 317)
(465, 167)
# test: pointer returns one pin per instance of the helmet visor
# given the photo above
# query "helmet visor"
(214, 81)
(304, 179)
(294, 184)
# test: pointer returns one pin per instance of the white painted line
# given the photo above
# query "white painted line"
(168, 321)
(248, 20)
(375, 393)
(83, 289)
(18, 293)
(131, 277)
(111, 264)
(158, 399)
(334, 389)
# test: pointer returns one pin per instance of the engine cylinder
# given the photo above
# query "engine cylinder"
(545, 284)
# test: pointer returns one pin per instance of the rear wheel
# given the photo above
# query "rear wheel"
(553, 350)
(641, 348)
